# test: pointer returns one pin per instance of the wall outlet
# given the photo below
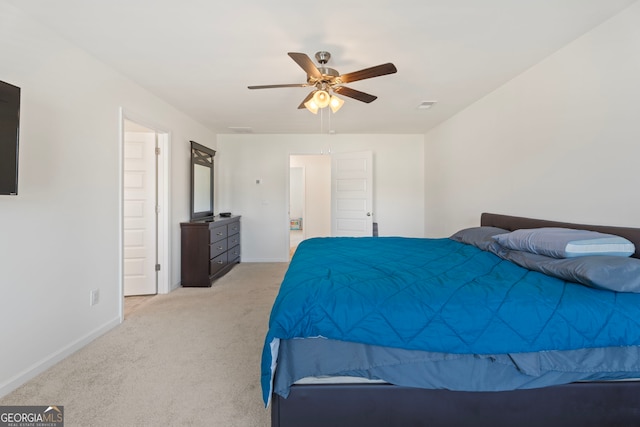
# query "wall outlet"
(94, 297)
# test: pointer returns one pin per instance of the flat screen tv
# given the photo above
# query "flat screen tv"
(9, 133)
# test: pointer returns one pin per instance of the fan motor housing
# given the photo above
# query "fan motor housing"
(329, 75)
(326, 71)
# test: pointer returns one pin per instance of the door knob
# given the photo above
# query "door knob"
(368, 213)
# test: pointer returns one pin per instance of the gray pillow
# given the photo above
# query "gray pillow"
(480, 237)
(565, 242)
(618, 274)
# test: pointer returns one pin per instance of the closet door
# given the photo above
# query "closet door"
(140, 216)
(352, 194)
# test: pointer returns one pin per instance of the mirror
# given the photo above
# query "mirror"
(201, 181)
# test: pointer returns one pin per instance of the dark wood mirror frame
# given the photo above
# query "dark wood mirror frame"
(201, 182)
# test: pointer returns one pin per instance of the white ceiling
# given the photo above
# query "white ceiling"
(200, 55)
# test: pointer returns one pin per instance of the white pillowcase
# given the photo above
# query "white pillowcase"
(565, 242)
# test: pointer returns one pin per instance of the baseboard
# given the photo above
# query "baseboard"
(41, 366)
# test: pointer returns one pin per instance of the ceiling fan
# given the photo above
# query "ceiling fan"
(327, 80)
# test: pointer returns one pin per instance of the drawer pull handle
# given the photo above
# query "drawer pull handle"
(219, 248)
(220, 262)
(219, 233)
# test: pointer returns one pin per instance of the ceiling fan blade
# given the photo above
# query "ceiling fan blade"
(355, 94)
(306, 64)
(367, 73)
(277, 86)
(301, 106)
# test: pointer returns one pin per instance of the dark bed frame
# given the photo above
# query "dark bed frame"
(596, 404)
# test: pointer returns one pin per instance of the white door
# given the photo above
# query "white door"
(352, 194)
(140, 215)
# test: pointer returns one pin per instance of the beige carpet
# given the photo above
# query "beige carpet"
(190, 358)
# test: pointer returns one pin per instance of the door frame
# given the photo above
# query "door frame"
(163, 235)
(304, 195)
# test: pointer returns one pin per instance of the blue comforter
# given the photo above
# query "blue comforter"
(438, 295)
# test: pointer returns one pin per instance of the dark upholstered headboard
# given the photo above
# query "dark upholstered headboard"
(515, 222)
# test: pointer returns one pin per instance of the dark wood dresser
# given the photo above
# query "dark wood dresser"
(209, 249)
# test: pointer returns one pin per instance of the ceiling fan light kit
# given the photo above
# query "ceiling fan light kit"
(312, 106)
(335, 103)
(327, 82)
(321, 98)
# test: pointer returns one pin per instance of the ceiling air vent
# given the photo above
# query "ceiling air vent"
(239, 129)
(425, 105)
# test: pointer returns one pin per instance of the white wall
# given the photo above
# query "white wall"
(398, 197)
(561, 141)
(60, 237)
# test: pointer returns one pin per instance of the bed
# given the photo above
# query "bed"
(492, 364)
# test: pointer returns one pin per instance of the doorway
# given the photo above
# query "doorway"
(144, 227)
(309, 198)
(330, 195)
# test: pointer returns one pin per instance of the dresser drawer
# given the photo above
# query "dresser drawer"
(233, 254)
(218, 263)
(233, 240)
(216, 248)
(233, 228)
(218, 233)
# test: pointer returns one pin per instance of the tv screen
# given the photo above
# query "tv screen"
(9, 132)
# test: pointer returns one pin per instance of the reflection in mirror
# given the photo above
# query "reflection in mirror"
(201, 181)
(201, 188)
